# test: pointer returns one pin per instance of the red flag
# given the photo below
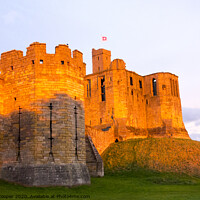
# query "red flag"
(104, 38)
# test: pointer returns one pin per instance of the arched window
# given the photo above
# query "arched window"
(154, 87)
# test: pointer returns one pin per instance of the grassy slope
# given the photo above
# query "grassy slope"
(165, 155)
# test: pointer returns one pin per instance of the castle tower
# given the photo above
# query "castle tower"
(101, 60)
(163, 106)
(43, 137)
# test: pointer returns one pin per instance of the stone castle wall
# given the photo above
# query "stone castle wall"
(101, 139)
(33, 82)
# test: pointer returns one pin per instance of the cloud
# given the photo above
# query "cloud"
(11, 17)
(191, 118)
(191, 114)
(193, 127)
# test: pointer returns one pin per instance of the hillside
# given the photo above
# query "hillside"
(165, 155)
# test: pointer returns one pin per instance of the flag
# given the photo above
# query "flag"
(104, 38)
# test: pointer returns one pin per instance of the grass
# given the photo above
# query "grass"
(135, 184)
(164, 155)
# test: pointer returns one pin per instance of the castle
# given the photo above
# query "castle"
(120, 104)
(47, 101)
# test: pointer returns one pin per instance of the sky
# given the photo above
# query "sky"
(149, 35)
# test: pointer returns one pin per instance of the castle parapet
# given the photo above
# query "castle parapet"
(14, 54)
(77, 55)
(36, 48)
(63, 50)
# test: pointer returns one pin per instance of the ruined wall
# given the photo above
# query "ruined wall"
(132, 107)
(165, 107)
(99, 112)
(33, 82)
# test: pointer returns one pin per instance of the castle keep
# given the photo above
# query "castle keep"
(42, 138)
(121, 104)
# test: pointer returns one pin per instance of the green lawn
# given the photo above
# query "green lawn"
(137, 184)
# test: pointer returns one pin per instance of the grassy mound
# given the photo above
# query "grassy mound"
(164, 155)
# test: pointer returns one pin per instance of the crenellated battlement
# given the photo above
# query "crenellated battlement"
(37, 57)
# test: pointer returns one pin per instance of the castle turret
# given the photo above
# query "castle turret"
(43, 101)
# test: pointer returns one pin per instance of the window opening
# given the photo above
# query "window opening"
(140, 83)
(62, 62)
(131, 81)
(103, 92)
(33, 62)
(163, 87)
(89, 88)
(41, 61)
(154, 87)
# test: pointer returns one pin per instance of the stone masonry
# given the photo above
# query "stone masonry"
(124, 105)
(32, 82)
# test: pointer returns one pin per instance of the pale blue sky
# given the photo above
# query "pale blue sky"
(149, 35)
